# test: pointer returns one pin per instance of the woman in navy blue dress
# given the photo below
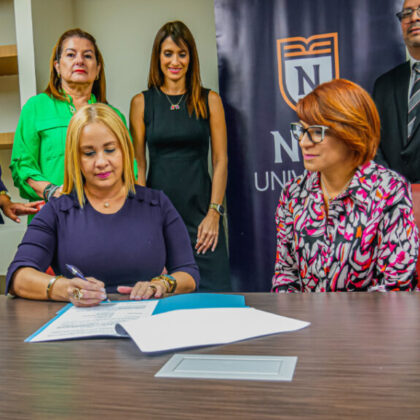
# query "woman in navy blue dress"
(120, 235)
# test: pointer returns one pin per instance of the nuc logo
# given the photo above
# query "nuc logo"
(304, 63)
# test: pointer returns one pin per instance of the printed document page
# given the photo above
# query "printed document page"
(202, 327)
(90, 322)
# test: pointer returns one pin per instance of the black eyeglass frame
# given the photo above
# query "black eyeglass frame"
(407, 13)
(323, 128)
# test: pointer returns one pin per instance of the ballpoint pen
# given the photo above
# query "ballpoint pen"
(76, 272)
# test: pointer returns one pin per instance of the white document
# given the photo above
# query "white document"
(202, 327)
(92, 322)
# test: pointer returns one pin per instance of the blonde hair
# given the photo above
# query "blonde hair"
(95, 113)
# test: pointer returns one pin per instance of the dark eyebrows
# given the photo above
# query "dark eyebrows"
(181, 50)
(85, 51)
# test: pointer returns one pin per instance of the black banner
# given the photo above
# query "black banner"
(271, 53)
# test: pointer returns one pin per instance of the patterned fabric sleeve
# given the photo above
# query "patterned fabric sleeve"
(286, 278)
(398, 242)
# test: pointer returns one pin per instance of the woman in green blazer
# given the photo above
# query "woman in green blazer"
(77, 78)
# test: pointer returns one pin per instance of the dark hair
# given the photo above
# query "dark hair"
(350, 113)
(182, 36)
(54, 85)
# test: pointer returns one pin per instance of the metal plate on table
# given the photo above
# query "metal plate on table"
(206, 366)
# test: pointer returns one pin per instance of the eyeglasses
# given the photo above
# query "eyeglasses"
(407, 13)
(316, 133)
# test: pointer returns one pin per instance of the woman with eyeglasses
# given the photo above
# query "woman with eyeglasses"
(346, 224)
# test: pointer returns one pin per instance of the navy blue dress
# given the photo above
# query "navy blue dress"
(178, 150)
(131, 245)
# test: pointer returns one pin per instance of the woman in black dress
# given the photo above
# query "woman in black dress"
(177, 117)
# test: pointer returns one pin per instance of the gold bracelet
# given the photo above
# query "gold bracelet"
(4, 192)
(168, 280)
(162, 279)
(51, 284)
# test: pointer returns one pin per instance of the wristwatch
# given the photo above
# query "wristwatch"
(170, 282)
(218, 207)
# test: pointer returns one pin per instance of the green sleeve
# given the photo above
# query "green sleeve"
(25, 154)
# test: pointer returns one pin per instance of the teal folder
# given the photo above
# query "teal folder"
(199, 301)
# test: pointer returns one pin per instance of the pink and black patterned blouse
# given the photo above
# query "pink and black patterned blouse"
(369, 241)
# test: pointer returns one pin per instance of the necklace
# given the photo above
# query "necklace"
(174, 107)
(72, 108)
(107, 201)
(329, 198)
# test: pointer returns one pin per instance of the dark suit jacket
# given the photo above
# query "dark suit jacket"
(391, 97)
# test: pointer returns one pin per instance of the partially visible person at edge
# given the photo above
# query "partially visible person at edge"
(77, 78)
(176, 117)
(397, 95)
(14, 210)
(120, 235)
(347, 224)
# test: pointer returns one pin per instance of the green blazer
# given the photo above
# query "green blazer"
(39, 143)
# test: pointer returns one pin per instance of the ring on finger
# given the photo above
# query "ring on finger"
(77, 293)
(152, 286)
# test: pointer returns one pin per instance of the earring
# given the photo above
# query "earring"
(58, 75)
(97, 77)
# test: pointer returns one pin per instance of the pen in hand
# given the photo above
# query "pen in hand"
(76, 272)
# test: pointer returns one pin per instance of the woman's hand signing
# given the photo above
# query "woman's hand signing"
(86, 293)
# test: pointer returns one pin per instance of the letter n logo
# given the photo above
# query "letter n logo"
(304, 63)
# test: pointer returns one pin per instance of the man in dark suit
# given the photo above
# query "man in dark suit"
(397, 94)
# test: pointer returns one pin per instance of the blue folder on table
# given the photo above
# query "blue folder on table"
(199, 301)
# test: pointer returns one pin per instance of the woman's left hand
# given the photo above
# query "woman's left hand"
(144, 290)
(208, 232)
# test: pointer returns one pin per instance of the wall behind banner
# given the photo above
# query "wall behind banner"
(271, 53)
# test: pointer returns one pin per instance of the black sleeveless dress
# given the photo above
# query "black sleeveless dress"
(178, 153)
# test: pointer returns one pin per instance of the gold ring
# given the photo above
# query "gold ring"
(77, 293)
(152, 286)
